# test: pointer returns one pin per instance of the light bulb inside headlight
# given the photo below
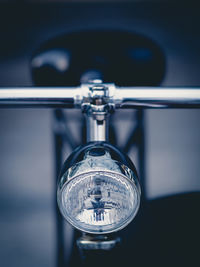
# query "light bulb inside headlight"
(98, 194)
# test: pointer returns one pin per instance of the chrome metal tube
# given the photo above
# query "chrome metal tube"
(157, 97)
(123, 97)
(39, 97)
(97, 130)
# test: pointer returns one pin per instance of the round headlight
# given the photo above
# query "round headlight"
(99, 195)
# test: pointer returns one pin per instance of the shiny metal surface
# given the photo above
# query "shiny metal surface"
(120, 97)
(96, 104)
(97, 242)
(38, 97)
(96, 130)
(157, 97)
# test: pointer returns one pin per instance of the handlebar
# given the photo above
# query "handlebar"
(120, 97)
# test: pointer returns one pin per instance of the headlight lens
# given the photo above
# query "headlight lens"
(99, 201)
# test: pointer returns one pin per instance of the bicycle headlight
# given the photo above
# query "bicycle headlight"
(98, 194)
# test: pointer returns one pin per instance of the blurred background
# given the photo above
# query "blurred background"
(27, 154)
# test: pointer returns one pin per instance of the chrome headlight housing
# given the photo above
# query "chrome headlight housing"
(98, 194)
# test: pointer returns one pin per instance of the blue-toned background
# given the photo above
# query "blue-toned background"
(27, 223)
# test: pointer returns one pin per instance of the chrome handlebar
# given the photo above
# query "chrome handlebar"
(118, 97)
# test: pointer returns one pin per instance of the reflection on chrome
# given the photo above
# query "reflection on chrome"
(99, 194)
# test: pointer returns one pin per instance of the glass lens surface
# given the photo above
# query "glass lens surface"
(99, 201)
